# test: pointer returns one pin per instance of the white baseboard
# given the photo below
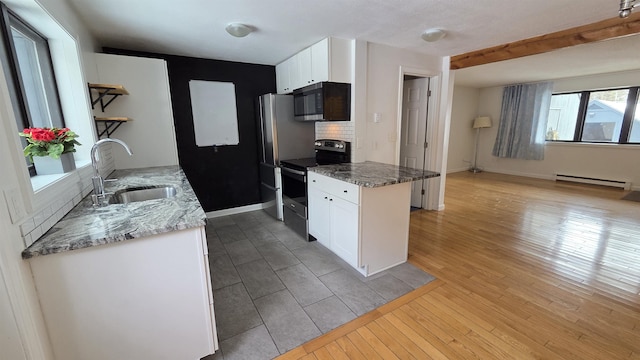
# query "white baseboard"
(451, 171)
(506, 172)
(626, 185)
(518, 173)
(523, 174)
(236, 210)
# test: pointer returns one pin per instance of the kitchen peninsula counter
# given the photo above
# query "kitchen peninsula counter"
(86, 226)
(360, 211)
(372, 174)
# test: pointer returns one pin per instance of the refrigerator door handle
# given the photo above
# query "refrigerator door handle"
(262, 118)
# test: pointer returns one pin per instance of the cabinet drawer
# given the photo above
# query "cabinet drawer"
(344, 190)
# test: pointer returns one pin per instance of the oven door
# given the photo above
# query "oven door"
(294, 185)
(294, 196)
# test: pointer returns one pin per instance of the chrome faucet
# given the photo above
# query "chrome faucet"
(97, 180)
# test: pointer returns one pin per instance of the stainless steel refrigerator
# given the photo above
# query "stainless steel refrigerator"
(281, 138)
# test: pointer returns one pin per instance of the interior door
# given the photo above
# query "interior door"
(413, 148)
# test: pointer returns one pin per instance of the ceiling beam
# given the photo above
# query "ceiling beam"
(602, 30)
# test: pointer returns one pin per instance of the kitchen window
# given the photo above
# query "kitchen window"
(595, 116)
(26, 61)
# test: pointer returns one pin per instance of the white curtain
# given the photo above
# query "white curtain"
(523, 120)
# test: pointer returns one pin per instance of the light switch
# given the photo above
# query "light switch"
(392, 136)
(376, 117)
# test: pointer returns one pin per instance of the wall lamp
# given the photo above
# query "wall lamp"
(626, 6)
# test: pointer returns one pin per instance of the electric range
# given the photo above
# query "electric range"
(294, 181)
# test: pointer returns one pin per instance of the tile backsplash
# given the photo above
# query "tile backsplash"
(337, 130)
(44, 218)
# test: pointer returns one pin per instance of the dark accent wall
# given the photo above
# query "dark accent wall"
(226, 176)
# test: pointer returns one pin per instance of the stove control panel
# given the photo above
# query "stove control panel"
(333, 145)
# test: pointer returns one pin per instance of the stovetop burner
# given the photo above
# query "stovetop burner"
(299, 164)
(327, 152)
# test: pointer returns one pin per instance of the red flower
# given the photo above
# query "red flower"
(49, 142)
(43, 134)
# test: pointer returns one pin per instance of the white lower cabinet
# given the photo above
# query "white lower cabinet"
(319, 215)
(334, 217)
(367, 227)
(343, 227)
(146, 298)
(333, 221)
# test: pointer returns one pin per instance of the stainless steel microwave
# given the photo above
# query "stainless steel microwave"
(325, 101)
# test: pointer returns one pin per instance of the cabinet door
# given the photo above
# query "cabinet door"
(283, 78)
(304, 68)
(344, 229)
(168, 320)
(319, 219)
(320, 62)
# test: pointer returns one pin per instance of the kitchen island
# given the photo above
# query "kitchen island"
(360, 211)
(128, 281)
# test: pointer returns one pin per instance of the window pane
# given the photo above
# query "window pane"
(563, 116)
(24, 54)
(31, 79)
(634, 135)
(603, 120)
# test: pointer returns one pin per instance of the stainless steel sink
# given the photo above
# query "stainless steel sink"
(142, 194)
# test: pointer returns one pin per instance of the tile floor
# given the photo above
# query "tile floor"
(274, 291)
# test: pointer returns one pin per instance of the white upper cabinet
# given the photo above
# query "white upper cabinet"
(313, 63)
(283, 82)
(320, 62)
(327, 60)
(305, 70)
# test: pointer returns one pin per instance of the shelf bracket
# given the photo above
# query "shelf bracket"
(110, 126)
(102, 92)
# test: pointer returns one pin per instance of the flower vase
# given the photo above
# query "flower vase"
(46, 165)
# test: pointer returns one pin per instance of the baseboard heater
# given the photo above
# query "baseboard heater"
(594, 181)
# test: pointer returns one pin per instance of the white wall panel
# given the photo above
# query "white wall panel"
(151, 135)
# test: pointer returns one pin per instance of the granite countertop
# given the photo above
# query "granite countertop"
(86, 226)
(372, 174)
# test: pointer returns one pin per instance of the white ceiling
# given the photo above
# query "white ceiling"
(284, 27)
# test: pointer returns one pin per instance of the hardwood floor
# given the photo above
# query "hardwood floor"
(526, 268)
